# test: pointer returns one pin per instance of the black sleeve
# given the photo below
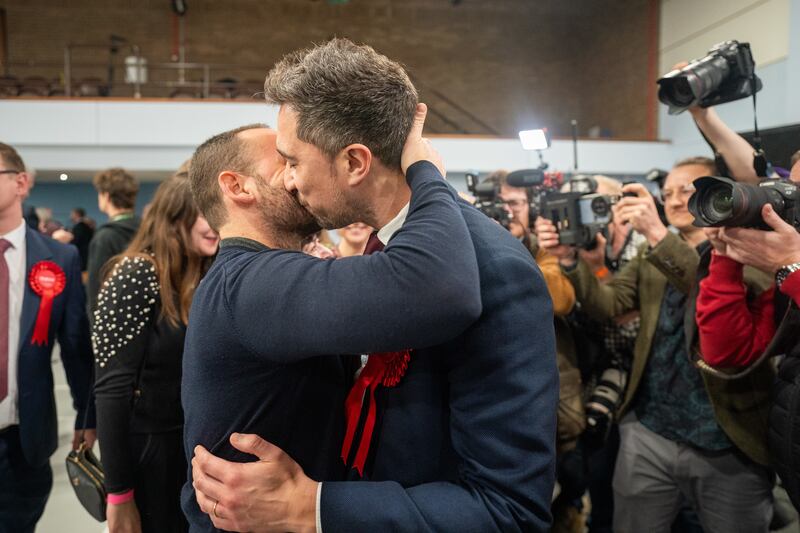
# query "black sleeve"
(423, 290)
(101, 249)
(126, 309)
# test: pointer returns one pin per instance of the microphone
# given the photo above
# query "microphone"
(529, 177)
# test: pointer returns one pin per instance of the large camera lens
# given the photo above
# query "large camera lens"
(676, 92)
(694, 82)
(600, 206)
(723, 202)
(719, 203)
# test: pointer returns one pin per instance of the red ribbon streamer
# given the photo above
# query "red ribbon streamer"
(381, 369)
(48, 281)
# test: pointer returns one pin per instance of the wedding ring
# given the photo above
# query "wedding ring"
(214, 510)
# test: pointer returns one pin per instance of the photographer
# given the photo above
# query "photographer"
(606, 351)
(682, 434)
(735, 332)
(517, 203)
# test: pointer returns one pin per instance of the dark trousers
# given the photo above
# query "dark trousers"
(160, 475)
(23, 488)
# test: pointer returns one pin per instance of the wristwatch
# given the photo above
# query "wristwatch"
(784, 271)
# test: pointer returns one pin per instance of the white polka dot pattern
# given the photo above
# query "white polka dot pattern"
(124, 307)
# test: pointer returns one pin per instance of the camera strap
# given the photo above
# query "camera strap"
(759, 158)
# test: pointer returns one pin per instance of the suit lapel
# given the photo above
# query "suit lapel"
(37, 250)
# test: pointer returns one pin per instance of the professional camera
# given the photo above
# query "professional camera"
(726, 74)
(487, 199)
(601, 408)
(723, 202)
(580, 213)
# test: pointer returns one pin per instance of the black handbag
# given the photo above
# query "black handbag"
(86, 477)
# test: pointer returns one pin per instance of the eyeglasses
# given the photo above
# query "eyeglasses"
(516, 204)
(685, 191)
(10, 172)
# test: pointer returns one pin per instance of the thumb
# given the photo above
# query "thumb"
(419, 123)
(601, 240)
(772, 219)
(255, 445)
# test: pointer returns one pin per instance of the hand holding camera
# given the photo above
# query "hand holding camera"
(641, 213)
(547, 235)
(765, 250)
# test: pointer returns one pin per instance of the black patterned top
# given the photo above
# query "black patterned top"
(138, 359)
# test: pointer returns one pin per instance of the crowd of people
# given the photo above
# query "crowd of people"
(433, 371)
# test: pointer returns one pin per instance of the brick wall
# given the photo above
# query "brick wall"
(513, 64)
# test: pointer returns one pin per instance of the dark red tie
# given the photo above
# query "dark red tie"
(384, 369)
(374, 244)
(4, 282)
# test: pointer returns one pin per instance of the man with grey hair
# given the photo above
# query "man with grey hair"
(454, 436)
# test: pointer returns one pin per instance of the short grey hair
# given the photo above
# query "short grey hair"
(344, 93)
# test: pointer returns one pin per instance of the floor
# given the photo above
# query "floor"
(64, 513)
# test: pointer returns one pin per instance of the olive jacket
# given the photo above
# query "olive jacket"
(741, 405)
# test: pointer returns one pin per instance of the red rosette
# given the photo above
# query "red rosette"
(386, 369)
(396, 366)
(47, 280)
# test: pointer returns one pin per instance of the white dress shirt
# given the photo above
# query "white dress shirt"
(15, 258)
(388, 231)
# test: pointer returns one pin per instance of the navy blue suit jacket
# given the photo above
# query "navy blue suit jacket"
(466, 441)
(68, 324)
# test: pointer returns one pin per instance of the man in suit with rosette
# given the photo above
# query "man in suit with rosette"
(41, 301)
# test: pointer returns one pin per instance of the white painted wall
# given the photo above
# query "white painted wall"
(158, 136)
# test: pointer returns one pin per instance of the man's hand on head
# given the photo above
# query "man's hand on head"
(641, 212)
(764, 250)
(270, 495)
(417, 147)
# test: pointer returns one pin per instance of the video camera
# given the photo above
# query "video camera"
(536, 181)
(727, 73)
(580, 213)
(487, 199)
(722, 202)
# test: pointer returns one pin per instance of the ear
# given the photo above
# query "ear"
(23, 184)
(236, 188)
(356, 162)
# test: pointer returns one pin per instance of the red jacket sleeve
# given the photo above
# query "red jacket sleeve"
(732, 332)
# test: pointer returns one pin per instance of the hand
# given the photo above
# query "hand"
(417, 147)
(89, 436)
(63, 236)
(319, 250)
(516, 229)
(547, 235)
(764, 250)
(596, 257)
(713, 236)
(272, 494)
(123, 518)
(640, 211)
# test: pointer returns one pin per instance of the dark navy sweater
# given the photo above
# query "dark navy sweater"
(260, 316)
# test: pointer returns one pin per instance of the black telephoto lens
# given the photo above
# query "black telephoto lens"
(721, 202)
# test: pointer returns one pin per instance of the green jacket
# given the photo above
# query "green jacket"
(741, 406)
